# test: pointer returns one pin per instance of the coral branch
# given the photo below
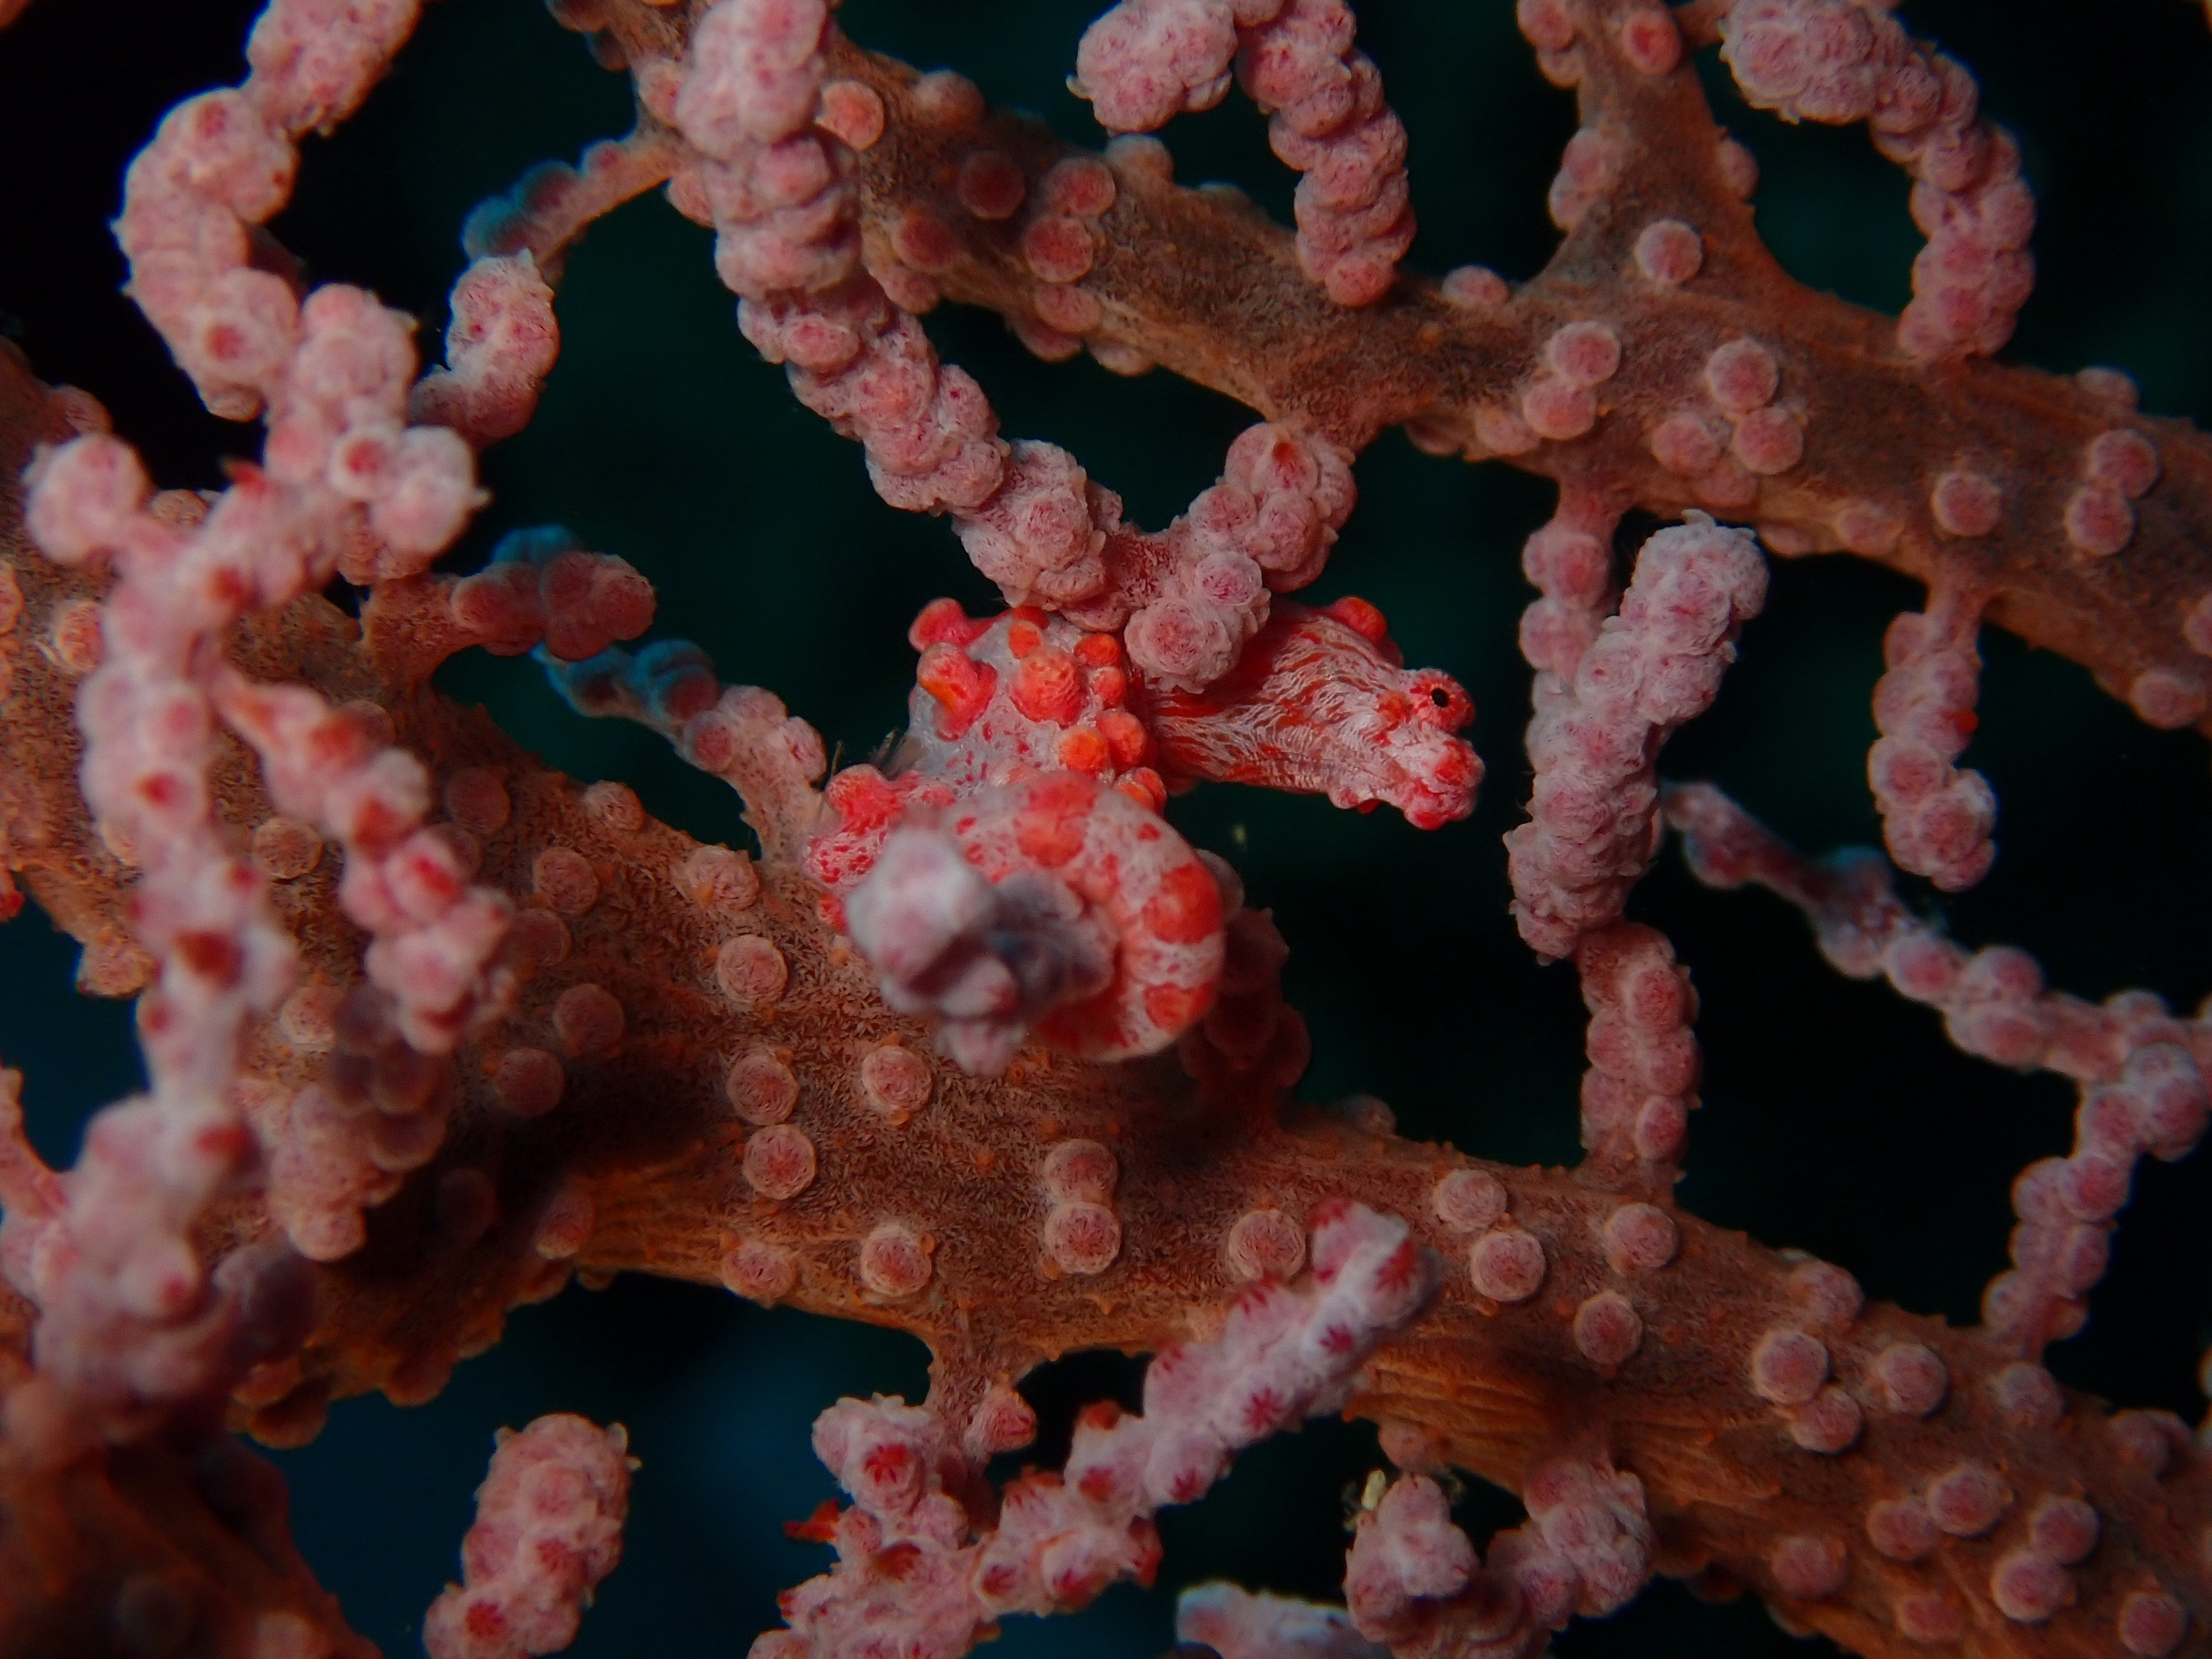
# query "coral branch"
(1600, 719)
(2141, 1071)
(553, 203)
(150, 1546)
(1237, 1624)
(877, 1231)
(1412, 1582)
(1935, 818)
(1639, 1092)
(1830, 60)
(1231, 309)
(548, 1529)
(1147, 59)
(906, 1573)
(431, 1029)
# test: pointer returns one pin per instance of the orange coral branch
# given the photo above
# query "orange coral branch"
(931, 1216)
(1201, 283)
(681, 1066)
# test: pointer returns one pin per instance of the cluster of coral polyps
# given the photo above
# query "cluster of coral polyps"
(979, 1046)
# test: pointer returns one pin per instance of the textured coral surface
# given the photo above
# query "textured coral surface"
(1835, 1118)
